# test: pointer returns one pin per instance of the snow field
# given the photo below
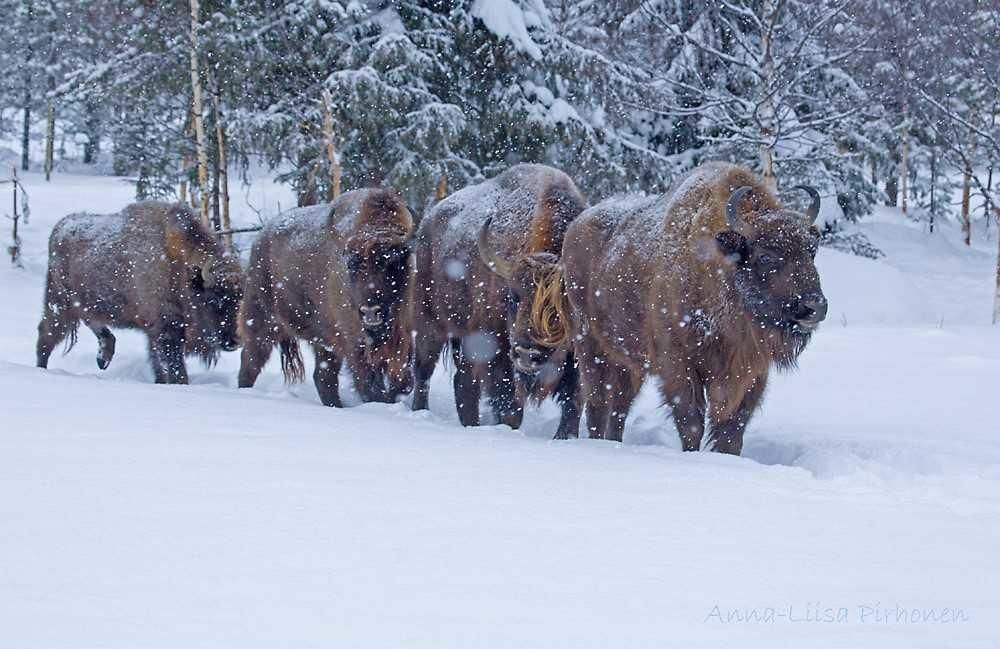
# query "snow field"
(139, 515)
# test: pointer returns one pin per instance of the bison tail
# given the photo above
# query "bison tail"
(291, 360)
(71, 336)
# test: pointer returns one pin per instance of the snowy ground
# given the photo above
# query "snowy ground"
(150, 516)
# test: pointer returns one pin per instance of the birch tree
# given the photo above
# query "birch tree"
(766, 81)
(197, 112)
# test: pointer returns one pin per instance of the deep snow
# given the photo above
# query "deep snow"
(138, 515)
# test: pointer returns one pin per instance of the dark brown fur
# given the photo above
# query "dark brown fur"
(313, 274)
(459, 301)
(153, 267)
(663, 286)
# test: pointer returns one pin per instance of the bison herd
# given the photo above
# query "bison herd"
(530, 292)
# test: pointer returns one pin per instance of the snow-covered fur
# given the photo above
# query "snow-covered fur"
(664, 285)
(487, 283)
(153, 266)
(335, 275)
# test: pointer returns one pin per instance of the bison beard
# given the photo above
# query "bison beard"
(705, 287)
(335, 275)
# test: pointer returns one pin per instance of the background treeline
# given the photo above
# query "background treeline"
(869, 100)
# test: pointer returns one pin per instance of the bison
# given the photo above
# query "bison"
(335, 275)
(706, 287)
(487, 283)
(153, 266)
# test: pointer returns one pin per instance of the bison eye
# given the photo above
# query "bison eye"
(769, 261)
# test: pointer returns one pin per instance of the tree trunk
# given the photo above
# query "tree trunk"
(50, 140)
(442, 189)
(216, 218)
(967, 192)
(26, 130)
(223, 166)
(29, 54)
(331, 147)
(892, 190)
(91, 122)
(904, 164)
(50, 122)
(15, 246)
(988, 194)
(996, 293)
(933, 188)
(196, 105)
(966, 222)
(766, 113)
(306, 164)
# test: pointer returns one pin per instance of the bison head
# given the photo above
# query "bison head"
(538, 314)
(378, 270)
(216, 293)
(773, 253)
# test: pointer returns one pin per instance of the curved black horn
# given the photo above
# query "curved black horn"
(493, 261)
(813, 210)
(732, 217)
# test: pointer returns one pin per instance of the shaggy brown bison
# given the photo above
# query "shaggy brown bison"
(335, 275)
(152, 266)
(487, 282)
(705, 287)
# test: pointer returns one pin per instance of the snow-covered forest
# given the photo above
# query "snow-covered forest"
(863, 509)
(869, 100)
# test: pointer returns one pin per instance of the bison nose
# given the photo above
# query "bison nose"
(526, 359)
(371, 316)
(812, 309)
(231, 343)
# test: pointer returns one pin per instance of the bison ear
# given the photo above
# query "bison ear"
(732, 243)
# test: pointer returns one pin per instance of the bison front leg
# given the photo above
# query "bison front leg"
(105, 344)
(398, 375)
(502, 391)
(726, 434)
(370, 382)
(426, 350)
(467, 388)
(686, 397)
(594, 386)
(166, 354)
(326, 376)
(623, 388)
(568, 396)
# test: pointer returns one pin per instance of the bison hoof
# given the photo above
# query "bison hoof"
(102, 363)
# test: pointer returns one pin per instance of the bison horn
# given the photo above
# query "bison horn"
(207, 276)
(813, 210)
(732, 216)
(493, 261)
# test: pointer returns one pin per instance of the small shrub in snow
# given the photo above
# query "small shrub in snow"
(855, 243)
